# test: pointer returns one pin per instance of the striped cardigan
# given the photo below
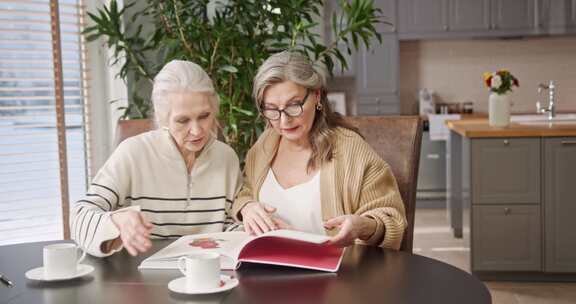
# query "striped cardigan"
(147, 173)
(356, 181)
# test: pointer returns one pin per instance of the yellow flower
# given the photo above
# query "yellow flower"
(487, 75)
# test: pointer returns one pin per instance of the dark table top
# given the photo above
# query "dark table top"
(367, 275)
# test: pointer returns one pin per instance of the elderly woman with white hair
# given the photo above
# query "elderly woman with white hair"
(310, 170)
(172, 181)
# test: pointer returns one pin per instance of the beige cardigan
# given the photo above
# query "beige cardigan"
(356, 181)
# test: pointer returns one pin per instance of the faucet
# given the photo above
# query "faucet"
(551, 109)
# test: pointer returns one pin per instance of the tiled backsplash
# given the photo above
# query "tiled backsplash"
(453, 69)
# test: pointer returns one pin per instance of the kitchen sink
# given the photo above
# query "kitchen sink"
(540, 119)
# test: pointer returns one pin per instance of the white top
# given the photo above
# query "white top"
(299, 206)
(147, 173)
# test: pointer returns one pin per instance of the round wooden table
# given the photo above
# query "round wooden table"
(367, 275)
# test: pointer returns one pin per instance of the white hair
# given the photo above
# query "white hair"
(179, 76)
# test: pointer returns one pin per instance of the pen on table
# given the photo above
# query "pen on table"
(5, 280)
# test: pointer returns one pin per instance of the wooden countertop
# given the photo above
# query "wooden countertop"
(479, 128)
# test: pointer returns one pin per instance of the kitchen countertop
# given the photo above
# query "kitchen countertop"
(478, 128)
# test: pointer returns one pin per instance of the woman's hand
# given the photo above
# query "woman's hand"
(134, 231)
(258, 218)
(351, 227)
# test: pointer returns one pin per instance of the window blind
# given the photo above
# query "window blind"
(42, 56)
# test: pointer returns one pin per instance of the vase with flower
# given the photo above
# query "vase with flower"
(500, 84)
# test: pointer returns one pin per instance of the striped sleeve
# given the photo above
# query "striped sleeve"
(90, 222)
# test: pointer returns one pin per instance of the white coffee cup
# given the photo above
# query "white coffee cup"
(202, 270)
(61, 260)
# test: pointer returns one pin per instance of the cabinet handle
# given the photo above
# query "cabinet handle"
(433, 156)
(568, 142)
(445, 27)
(507, 211)
(506, 142)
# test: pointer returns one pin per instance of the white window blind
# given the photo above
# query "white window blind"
(33, 191)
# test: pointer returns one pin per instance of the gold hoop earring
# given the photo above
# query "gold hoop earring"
(319, 106)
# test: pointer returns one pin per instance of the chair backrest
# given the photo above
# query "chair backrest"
(131, 127)
(397, 140)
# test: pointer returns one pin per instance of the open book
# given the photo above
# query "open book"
(278, 247)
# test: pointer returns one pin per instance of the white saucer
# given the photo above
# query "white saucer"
(37, 274)
(179, 286)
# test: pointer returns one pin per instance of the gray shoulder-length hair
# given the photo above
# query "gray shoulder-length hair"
(179, 76)
(296, 67)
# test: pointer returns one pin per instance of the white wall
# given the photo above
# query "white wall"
(103, 87)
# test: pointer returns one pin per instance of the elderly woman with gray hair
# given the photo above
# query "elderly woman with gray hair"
(310, 170)
(169, 182)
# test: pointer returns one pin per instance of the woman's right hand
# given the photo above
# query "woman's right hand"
(134, 231)
(258, 218)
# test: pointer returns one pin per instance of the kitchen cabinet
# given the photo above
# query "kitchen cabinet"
(513, 15)
(378, 67)
(506, 237)
(557, 16)
(389, 10)
(469, 15)
(377, 78)
(330, 8)
(422, 16)
(378, 104)
(421, 19)
(506, 170)
(375, 71)
(520, 183)
(506, 204)
(560, 204)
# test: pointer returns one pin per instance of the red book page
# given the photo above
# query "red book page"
(287, 252)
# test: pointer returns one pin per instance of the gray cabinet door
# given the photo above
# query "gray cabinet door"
(389, 10)
(422, 16)
(557, 16)
(378, 67)
(332, 7)
(560, 204)
(378, 104)
(506, 238)
(469, 15)
(505, 171)
(389, 16)
(513, 15)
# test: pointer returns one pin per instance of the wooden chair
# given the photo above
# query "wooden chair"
(128, 128)
(397, 140)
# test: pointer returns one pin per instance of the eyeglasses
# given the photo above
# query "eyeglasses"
(293, 110)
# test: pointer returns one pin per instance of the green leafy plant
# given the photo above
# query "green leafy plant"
(230, 40)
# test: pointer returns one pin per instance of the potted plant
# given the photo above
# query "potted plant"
(500, 84)
(229, 39)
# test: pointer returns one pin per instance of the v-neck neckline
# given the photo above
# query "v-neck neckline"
(294, 186)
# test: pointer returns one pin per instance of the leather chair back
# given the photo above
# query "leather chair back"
(397, 140)
(131, 127)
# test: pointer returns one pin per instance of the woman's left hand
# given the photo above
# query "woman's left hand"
(351, 227)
